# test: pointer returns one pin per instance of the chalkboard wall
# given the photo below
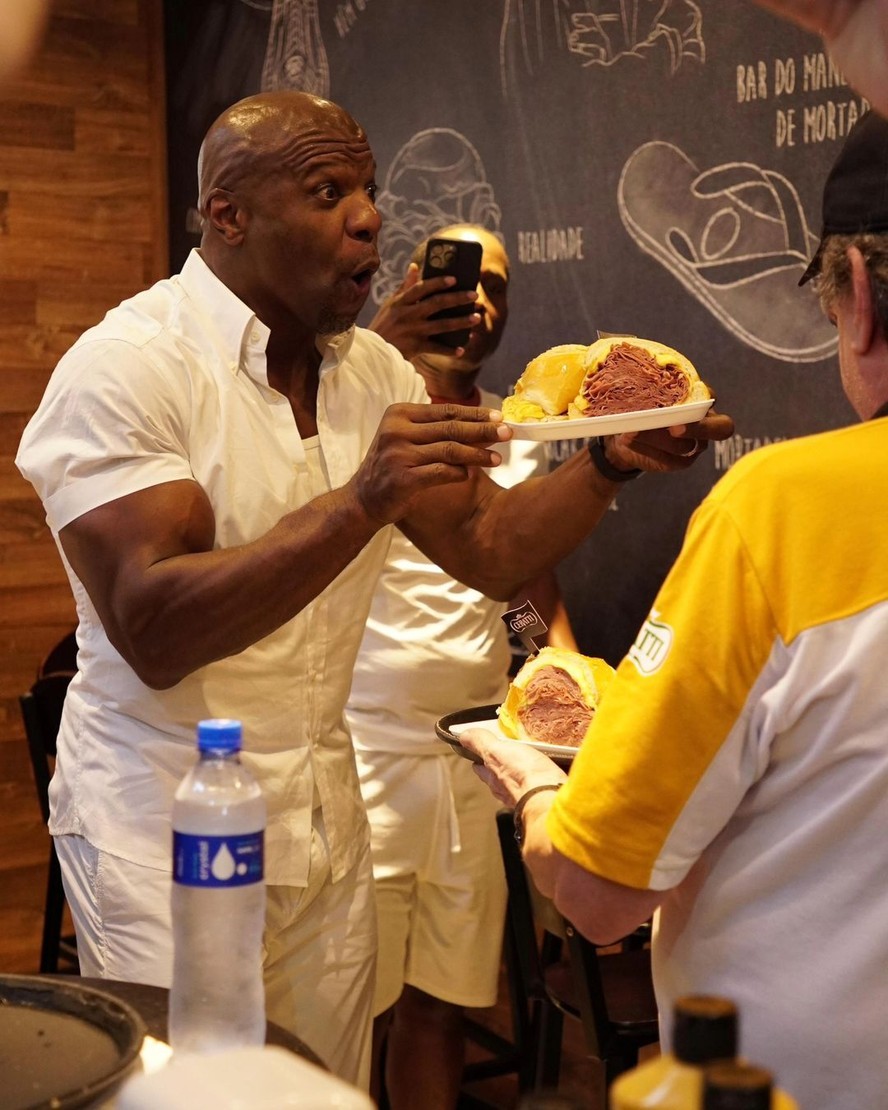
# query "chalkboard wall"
(653, 167)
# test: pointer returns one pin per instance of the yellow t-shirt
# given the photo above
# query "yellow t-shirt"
(741, 757)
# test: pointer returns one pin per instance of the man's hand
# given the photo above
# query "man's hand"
(855, 33)
(418, 447)
(602, 910)
(404, 320)
(667, 449)
(510, 769)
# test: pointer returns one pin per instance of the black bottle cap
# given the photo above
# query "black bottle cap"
(704, 1029)
(734, 1086)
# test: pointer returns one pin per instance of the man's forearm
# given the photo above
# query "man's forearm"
(514, 535)
(602, 910)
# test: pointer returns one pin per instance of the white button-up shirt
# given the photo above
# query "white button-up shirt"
(173, 385)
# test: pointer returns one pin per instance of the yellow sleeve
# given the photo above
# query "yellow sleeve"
(676, 697)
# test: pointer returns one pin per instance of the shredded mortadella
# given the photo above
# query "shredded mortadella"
(630, 380)
(554, 710)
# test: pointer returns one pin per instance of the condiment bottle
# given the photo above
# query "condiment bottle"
(732, 1085)
(705, 1029)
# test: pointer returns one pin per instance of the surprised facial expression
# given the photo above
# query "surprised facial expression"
(312, 226)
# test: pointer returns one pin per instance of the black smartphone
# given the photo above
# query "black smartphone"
(459, 258)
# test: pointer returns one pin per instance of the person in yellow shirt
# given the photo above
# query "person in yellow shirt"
(735, 777)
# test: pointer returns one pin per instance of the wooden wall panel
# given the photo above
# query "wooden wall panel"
(82, 225)
(44, 126)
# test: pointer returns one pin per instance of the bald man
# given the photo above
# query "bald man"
(221, 460)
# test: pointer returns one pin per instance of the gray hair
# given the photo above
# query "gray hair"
(834, 279)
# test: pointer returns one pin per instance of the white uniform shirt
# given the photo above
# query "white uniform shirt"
(740, 762)
(432, 645)
(172, 385)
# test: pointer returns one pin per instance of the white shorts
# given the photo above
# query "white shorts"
(319, 943)
(440, 888)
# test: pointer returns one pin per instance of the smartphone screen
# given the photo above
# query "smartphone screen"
(460, 258)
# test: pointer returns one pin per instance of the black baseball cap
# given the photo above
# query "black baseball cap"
(855, 197)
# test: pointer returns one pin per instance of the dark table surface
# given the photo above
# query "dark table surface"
(152, 1003)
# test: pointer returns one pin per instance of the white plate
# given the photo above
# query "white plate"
(613, 424)
(449, 728)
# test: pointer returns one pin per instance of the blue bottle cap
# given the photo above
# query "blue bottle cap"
(219, 734)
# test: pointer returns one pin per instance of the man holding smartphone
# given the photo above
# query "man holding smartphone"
(432, 645)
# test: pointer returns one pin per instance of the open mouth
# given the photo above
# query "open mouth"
(363, 278)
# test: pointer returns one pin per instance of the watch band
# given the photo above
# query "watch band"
(605, 468)
(518, 814)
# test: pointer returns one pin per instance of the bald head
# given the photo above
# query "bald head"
(288, 211)
(272, 133)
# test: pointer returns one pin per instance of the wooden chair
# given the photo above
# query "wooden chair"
(563, 974)
(41, 710)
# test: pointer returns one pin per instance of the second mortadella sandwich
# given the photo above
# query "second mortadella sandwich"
(553, 697)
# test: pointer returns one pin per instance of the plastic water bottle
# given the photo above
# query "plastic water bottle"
(217, 1000)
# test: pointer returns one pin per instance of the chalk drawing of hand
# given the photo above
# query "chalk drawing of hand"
(636, 28)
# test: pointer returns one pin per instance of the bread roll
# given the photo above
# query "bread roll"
(613, 375)
(549, 383)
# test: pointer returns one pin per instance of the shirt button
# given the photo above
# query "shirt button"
(254, 335)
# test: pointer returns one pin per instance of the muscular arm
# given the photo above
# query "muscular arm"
(170, 603)
(497, 539)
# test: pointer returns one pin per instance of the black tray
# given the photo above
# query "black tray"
(485, 717)
(62, 1045)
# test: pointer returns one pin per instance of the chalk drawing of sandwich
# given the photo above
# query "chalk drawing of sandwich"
(737, 238)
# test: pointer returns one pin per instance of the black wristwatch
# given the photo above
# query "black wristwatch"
(605, 468)
(518, 813)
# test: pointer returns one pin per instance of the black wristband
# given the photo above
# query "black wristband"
(518, 814)
(605, 468)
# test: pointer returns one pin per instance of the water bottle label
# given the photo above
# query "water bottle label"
(218, 860)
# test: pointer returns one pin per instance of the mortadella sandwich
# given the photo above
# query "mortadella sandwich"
(614, 375)
(629, 375)
(553, 697)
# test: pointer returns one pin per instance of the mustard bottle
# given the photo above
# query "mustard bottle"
(731, 1085)
(704, 1030)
